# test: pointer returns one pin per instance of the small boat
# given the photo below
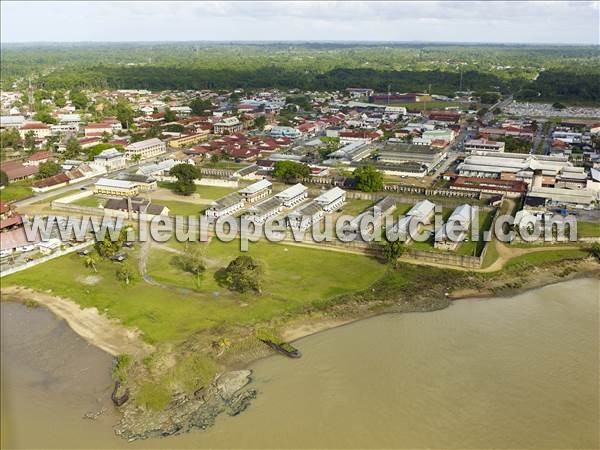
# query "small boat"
(284, 348)
(116, 399)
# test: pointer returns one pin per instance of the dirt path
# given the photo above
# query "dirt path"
(97, 329)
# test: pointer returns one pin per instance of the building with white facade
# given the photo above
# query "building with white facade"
(293, 195)
(149, 148)
(225, 206)
(331, 200)
(256, 191)
(110, 159)
(228, 125)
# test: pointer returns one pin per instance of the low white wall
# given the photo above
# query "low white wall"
(216, 182)
(74, 197)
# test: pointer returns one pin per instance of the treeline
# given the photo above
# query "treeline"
(162, 78)
(564, 85)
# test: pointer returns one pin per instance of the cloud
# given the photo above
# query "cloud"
(464, 21)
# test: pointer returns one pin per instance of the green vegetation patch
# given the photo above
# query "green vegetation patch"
(16, 191)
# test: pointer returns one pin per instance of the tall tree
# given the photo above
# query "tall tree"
(185, 174)
(368, 179)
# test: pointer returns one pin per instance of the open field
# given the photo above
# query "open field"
(588, 229)
(16, 191)
(91, 201)
(474, 248)
(49, 200)
(170, 315)
(205, 192)
(548, 256)
(182, 208)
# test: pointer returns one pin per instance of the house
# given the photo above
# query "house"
(37, 158)
(136, 205)
(148, 148)
(225, 206)
(293, 195)
(331, 200)
(256, 191)
(53, 182)
(110, 159)
(182, 111)
(281, 131)
(473, 145)
(262, 211)
(16, 121)
(107, 187)
(189, 139)
(16, 170)
(109, 126)
(50, 246)
(40, 130)
(454, 231)
(145, 183)
(228, 125)
(9, 219)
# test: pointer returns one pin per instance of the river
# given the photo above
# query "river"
(519, 372)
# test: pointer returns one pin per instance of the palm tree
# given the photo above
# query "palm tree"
(91, 260)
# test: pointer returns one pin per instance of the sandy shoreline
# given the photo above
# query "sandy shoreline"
(94, 327)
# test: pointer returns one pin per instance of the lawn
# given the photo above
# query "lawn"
(544, 257)
(207, 192)
(355, 207)
(182, 208)
(294, 277)
(90, 201)
(16, 191)
(474, 248)
(588, 229)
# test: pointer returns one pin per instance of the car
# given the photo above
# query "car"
(28, 248)
(128, 244)
(28, 259)
(84, 252)
(118, 258)
(83, 188)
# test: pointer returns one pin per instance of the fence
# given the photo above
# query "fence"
(44, 259)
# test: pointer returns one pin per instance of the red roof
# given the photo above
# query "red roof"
(34, 126)
(15, 170)
(38, 156)
(52, 181)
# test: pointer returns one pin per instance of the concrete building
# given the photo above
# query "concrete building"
(280, 131)
(305, 216)
(189, 139)
(225, 206)
(262, 211)
(450, 235)
(331, 200)
(106, 187)
(256, 191)
(149, 148)
(110, 159)
(228, 125)
(293, 195)
(473, 145)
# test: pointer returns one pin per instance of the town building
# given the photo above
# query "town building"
(450, 235)
(189, 139)
(228, 125)
(331, 200)
(473, 145)
(106, 187)
(292, 196)
(148, 148)
(264, 210)
(305, 216)
(136, 206)
(225, 206)
(38, 129)
(256, 191)
(281, 131)
(110, 159)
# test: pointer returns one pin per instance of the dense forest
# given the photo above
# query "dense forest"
(531, 72)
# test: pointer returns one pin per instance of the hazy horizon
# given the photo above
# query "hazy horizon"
(461, 22)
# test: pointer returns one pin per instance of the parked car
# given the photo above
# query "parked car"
(84, 252)
(118, 258)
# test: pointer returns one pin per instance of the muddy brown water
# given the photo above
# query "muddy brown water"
(519, 372)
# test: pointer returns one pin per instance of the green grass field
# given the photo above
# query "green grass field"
(545, 257)
(16, 191)
(91, 201)
(207, 192)
(355, 207)
(294, 277)
(474, 248)
(56, 197)
(588, 229)
(182, 208)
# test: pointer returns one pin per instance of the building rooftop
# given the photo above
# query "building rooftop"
(291, 192)
(256, 187)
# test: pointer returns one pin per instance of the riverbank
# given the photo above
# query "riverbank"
(178, 383)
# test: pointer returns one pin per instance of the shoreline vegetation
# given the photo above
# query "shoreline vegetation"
(184, 368)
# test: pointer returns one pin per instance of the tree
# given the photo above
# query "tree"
(91, 260)
(107, 247)
(170, 116)
(558, 105)
(73, 148)
(243, 274)
(260, 122)
(59, 99)
(3, 178)
(392, 250)
(10, 138)
(30, 141)
(48, 169)
(185, 174)
(106, 136)
(199, 106)
(78, 99)
(290, 171)
(191, 260)
(368, 179)
(125, 273)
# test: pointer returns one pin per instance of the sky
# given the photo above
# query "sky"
(557, 22)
